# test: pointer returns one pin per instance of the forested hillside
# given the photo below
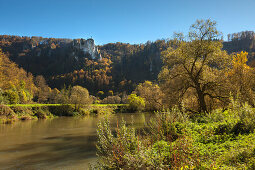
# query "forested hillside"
(241, 41)
(16, 84)
(119, 68)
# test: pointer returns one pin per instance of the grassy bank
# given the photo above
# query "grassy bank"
(12, 113)
(177, 140)
(91, 105)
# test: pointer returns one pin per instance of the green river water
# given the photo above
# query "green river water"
(60, 143)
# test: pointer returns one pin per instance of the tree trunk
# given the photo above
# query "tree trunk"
(201, 101)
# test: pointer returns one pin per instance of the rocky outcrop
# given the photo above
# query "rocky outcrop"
(87, 47)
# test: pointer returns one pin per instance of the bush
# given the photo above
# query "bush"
(113, 148)
(62, 110)
(123, 148)
(135, 102)
(152, 95)
(167, 126)
(94, 99)
(161, 154)
(175, 155)
(3, 99)
(241, 119)
(12, 96)
(6, 110)
(111, 100)
(221, 140)
(246, 123)
(42, 112)
(7, 115)
(21, 111)
(102, 110)
(79, 96)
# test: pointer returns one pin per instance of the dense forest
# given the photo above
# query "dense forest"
(121, 66)
(241, 41)
(119, 69)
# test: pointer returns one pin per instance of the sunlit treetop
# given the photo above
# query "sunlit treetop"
(240, 60)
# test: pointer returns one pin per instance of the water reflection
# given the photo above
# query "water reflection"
(62, 143)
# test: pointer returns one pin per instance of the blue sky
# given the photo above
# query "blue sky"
(130, 21)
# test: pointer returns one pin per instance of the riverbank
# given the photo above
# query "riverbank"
(222, 139)
(12, 113)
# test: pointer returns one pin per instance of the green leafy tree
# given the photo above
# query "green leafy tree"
(12, 96)
(111, 100)
(64, 96)
(3, 99)
(24, 95)
(136, 103)
(196, 68)
(43, 91)
(152, 95)
(79, 96)
(54, 96)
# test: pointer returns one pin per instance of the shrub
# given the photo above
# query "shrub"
(79, 96)
(123, 148)
(94, 99)
(111, 100)
(152, 95)
(245, 116)
(124, 98)
(239, 157)
(167, 125)
(5, 110)
(175, 155)
(135, 102)
(112, 148)
(7, 115)
(21, 111)
(3, 99)
(161, 154)
(102, 110)
(25, 96)
(42, 112)
(12, 96)
(62, 110)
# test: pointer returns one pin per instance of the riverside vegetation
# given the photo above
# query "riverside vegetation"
(211, 120)
(175, 140)
(12, 113)
(203, 101)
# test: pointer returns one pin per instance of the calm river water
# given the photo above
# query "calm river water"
(61, 143)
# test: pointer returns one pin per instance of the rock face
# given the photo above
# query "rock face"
(88, 47)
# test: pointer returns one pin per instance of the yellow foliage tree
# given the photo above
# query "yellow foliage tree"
(13, 77)
(241, 78)
(239, 63)
(152, 95)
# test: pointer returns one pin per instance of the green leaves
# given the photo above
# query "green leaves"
(136, 103)
(203, 30)
(193, 66)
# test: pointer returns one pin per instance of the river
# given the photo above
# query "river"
(60, 143)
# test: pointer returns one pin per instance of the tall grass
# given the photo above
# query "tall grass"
(163, 146)
(223, 139)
